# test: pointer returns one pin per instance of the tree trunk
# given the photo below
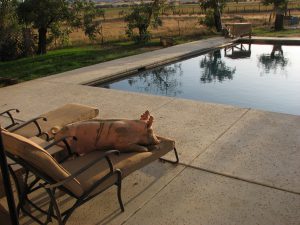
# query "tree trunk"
(28, 41)
(279, 21)
(42, 45)
(154, 5)
(217, 19)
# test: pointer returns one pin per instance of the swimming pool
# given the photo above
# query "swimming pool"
(255, 76)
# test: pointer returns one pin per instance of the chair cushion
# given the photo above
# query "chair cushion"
(38, 158)
(126, 162)
(42, 143)
(64, 115)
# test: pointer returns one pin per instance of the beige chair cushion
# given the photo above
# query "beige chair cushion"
(126, 162)
(64, 115)
(39, 158)
(54, 150)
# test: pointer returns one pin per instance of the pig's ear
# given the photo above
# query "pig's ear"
(150, 121)
(145, 115)
(54, 130)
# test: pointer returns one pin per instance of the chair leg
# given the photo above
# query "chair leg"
(68, 213)
(171, 161)
(55, 206)
(119, 184)
(24, 203)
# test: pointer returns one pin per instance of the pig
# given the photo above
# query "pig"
(120, 134)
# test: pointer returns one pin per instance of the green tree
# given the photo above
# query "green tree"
(280, 7)
(58, 14)
(141, 17)
(10, 31)
(213, 10)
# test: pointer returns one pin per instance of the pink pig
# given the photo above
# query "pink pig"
(123, 135)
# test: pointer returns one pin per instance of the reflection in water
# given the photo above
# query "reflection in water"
(214, 68)
(228, 78)
(239, 51)
(274, 60)
(161, 81)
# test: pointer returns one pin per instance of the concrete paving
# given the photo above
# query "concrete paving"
(197, 197)
(238, 166)
(263, 147)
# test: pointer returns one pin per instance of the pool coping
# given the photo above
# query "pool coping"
(118, 68)
(122, 67)
(132, 71)
(271, 40)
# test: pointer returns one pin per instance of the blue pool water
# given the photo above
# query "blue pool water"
(263, 77)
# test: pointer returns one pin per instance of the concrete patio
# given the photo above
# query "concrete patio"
(237, 165)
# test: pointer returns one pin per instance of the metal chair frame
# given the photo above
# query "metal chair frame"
(51, 186)
(12, 119)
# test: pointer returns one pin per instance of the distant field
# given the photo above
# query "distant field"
(183, 20)
(193, 9)
(175, 26)
(114, 30)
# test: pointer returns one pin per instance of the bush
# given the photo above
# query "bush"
(11, 38)
(208, 20)
(11, 43)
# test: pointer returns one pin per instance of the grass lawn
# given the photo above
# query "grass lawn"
(61, 60)
(57, 61)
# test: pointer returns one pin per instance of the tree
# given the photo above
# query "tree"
(141, 16)
(10, 32)
(58, 14)
(280, 7)
(213, 10)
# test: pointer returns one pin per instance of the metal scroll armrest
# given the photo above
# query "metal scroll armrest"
(35, 122)
(63, 140)
(81, 170)
(13, 121)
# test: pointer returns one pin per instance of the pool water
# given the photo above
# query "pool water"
(263, 77)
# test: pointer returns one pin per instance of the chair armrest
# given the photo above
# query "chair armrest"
(81, 170)
(68, 147)
(35, 121)
(8, 112)
(64, 140)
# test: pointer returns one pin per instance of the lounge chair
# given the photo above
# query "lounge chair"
(38, 129)
(42, 124)
(81, 177)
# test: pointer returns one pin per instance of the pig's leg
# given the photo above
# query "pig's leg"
(145, 116)
(135, 148)
(153, 147)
